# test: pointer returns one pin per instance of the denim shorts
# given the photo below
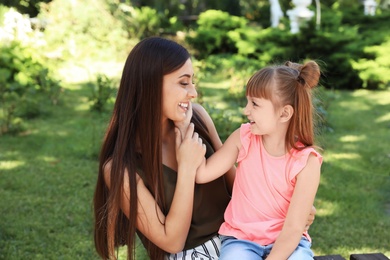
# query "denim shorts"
(233, 249)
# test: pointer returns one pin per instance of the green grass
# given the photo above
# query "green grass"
(47, 176)
(48, 173)
(353, 200)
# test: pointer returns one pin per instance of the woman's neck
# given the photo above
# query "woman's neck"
(169, 145)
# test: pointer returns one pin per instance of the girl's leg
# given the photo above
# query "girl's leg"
(303, 251)
(233, 249)
(206, 251)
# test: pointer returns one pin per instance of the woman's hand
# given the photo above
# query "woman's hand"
(190, 150)
(183, 125)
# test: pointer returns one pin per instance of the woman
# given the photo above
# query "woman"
(146, 182)
(142, 168)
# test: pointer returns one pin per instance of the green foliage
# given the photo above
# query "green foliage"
(82, 30)
(226, 121)
(139, 22)
(348, 45)
(212, 33)
(27, 87)
(30, 7)
(375, 71)
(102, 91)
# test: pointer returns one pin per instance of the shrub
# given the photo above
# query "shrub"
(82, 30)
(348, 45)
(139, 22)
(102, 91)
(27, 87)
(211, 35)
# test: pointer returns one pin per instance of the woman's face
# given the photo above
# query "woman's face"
(178, 90)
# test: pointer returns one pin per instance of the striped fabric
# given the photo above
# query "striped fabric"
(206, 251)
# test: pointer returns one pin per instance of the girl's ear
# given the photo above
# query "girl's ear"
(287, 113)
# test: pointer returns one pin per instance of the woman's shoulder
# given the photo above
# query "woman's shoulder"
(198, 108)
(107, 173)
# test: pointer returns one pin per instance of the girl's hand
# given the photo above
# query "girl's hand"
(183, 125)
(190, 150)
(311, 218)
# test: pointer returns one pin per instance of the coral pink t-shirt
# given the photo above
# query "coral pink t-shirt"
(262, 190)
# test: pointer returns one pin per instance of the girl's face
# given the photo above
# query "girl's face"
(178, 90)
(262, 115)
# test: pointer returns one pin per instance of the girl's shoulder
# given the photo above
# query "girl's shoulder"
(246, 140)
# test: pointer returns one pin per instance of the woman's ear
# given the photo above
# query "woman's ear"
(287, 113)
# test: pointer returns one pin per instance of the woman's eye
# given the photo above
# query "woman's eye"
(183, 83)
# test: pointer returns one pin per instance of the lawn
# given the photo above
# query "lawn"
(48, 173)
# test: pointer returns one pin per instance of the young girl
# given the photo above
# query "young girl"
(278, 170)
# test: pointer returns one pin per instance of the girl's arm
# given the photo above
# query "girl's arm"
(216, 143)
(168, 232)
(221, 161)
(300, 206)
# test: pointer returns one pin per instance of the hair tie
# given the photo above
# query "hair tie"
(301, 80)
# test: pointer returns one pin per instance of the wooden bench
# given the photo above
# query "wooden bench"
(376, 256)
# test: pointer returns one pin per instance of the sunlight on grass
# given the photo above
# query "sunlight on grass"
(352, 138)
(383, 118)
(326, 208)
(357, 106)
(82, 106)
(61, 133)
(9, 165)
(337, 156)
(48, 159)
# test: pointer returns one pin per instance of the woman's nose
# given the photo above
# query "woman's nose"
(192, 91)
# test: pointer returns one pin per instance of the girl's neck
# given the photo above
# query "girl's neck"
(274, 145)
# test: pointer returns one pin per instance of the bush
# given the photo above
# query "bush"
(211, 35)
(140, 22)
(83, 30)
(102, 91)
(27, 87)
(348, 45)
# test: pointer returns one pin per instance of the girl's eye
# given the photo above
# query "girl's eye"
(254, 104)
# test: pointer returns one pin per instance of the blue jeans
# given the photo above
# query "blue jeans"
(233, 248)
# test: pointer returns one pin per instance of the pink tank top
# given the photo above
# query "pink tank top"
(262, 190)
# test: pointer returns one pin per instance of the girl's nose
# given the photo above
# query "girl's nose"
(247, 109)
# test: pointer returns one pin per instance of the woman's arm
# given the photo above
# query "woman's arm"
(300, 206)
(216, 142)
(168, 232)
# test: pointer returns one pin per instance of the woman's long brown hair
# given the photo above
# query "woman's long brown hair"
(136, 116)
